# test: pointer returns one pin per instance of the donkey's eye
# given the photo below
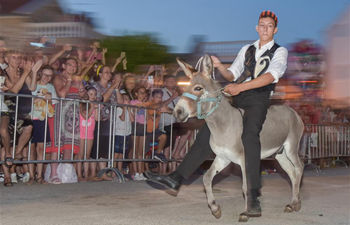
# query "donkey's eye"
(198, 88)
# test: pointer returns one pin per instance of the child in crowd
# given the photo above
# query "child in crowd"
(138, 131)
(43, 108)
(88, 116)
(153, 117)
(122, 123)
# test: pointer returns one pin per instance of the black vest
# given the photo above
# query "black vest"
(252, 70)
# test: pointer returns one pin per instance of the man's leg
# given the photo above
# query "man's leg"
(253, 119)
(200, 151)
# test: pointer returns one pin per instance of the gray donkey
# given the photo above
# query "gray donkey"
(280, 135)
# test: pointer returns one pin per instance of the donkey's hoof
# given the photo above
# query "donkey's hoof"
(217, 213)
(297, 206)
(243, 217)
(288, 209)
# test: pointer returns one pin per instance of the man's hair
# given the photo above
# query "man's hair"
(45, 67)
(70, 58)
(13, 51)
(168, 77)
(268, 13)
(157, 91)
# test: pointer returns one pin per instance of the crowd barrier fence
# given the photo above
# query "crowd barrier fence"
(319, 141)
(66, 108)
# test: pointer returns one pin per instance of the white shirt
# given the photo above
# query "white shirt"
(122, 127)
(3, 106)
(167, 119)
(277, 67)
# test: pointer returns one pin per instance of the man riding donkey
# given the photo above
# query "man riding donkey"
(253, 76)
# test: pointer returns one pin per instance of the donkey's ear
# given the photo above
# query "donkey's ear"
(187, 68)
(207, 66)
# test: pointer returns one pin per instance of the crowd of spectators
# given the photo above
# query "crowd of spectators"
(81, 109)
(78, 109)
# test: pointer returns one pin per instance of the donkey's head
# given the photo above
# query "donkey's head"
(203, 94)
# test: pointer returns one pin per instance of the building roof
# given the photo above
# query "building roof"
(34, 5)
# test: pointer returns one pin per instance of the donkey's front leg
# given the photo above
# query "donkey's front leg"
(215, 168)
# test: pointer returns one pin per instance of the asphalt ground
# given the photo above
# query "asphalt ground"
(325, 200)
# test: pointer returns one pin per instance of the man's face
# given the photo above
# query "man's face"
(71, 67)
(170, 83)
(14, 60)
(266, 29)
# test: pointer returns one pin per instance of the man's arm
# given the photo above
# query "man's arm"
(62, 90)
(60, 53)
(227, 74)
(276, 69)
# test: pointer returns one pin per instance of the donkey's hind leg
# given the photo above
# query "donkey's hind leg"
(215, 168)
(291, 163)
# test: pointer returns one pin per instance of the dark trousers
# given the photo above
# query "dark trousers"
(255, 105)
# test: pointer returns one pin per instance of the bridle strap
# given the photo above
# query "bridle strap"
(200, 100)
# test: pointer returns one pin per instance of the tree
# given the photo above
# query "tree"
(140, 50)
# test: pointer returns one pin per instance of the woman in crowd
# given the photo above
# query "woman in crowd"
(106, 92)
(129, 85)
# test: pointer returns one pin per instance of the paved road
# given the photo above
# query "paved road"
(325, 200)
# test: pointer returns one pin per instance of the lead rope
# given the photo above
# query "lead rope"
(199, 64)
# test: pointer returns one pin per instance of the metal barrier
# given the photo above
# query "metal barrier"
(320, 141)
(67, 111)
(327, 141)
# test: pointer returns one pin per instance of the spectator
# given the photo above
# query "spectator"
(40, 111)
(88, 116)
(18, 81)
(66, 113)
(129, 85)
(123, 122)
(170, 97)
(138, 132)
(96, 53)
(153, 117)
(106, 92)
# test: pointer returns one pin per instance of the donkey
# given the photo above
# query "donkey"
(280, 136)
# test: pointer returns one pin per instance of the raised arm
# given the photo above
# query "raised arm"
(65, 48)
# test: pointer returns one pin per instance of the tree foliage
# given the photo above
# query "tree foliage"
(140, 50)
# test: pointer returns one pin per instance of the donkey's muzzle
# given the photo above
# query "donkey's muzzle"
(180, 114)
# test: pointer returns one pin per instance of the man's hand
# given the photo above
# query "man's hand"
(28, 66)
(216, 61)
(117, 81)
(233, 89)
(67, 47)
(37, 66)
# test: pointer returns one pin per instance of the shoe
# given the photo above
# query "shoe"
(161, 157)
(137, 177)
(142, 177)
(26, 177)
(14, 178)
(172, 181)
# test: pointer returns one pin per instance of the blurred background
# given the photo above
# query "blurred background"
(155, 32)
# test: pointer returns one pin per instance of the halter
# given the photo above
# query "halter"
(202, 99)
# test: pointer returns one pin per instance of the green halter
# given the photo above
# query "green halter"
(202, 99)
